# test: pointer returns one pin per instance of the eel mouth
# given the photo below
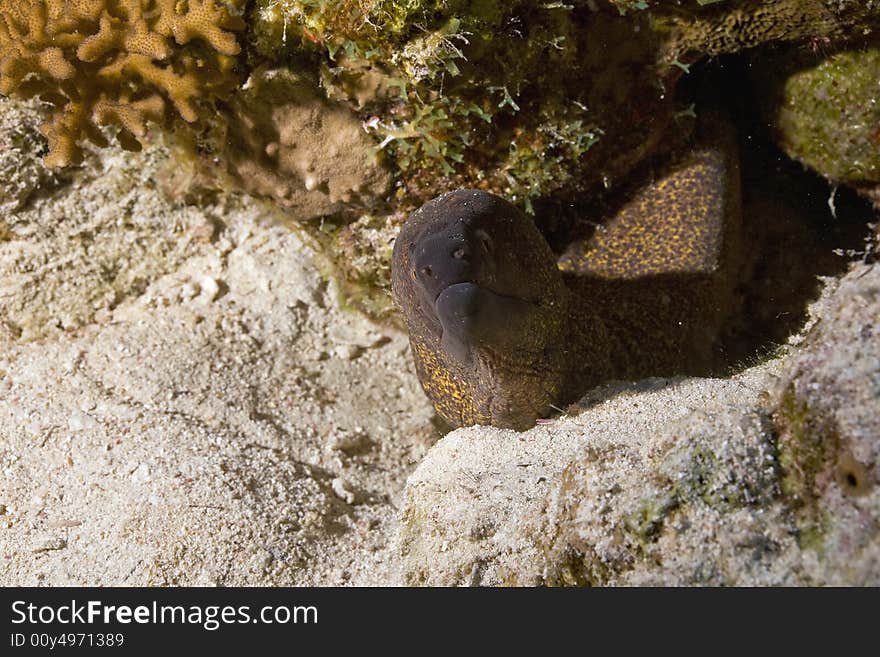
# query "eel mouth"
(471, 315)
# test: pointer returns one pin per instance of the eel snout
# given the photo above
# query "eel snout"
(473, 316)
(457, 254)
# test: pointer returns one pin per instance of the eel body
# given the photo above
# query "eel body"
(503, 330)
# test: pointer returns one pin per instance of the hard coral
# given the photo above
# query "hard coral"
(115, 62)
(285, 141)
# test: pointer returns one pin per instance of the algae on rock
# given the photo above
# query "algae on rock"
(522, 98)
(825, 112)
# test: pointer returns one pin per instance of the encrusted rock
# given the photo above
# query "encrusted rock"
(825, 112)
(289, 143)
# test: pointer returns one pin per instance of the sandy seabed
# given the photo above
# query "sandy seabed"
(182, 398)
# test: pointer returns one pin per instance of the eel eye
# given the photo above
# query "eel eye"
(427, 271)
(459, 253)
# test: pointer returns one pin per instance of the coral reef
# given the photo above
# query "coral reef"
(124, 63)
(541, 102)
(522, 98)
(189, 357)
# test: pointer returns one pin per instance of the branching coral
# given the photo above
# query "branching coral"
(116, 62)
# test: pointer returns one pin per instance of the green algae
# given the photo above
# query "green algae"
(826, 114)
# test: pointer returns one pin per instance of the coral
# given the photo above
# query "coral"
(288, 143)
(522, 98)
(116, 62)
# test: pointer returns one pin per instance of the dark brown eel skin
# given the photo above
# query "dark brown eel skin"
(503, 331)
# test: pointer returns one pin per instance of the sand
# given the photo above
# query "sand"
(183, 398)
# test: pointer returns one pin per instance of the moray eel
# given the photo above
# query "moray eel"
(503, 330)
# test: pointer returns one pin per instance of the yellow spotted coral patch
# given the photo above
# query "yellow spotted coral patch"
(116, 62)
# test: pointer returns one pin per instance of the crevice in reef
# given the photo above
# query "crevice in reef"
(797, 227)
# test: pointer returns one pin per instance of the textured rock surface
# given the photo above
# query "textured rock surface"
(675, 481)
(287, 142)
(827, 115)
(21, 150)
(825, 112)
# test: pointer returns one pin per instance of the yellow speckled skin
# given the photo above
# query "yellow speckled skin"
(645, 295)
(669, 226)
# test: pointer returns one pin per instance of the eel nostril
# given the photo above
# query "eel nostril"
(459, 253)
(427, 271)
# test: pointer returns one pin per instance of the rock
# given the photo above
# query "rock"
(343, 491)
(827, 417)
(824, 112)
(51, 544)
(287, 142)
(21, 151)
(210, 287)
(766, 478)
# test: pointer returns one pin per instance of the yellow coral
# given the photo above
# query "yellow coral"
(115, 62)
